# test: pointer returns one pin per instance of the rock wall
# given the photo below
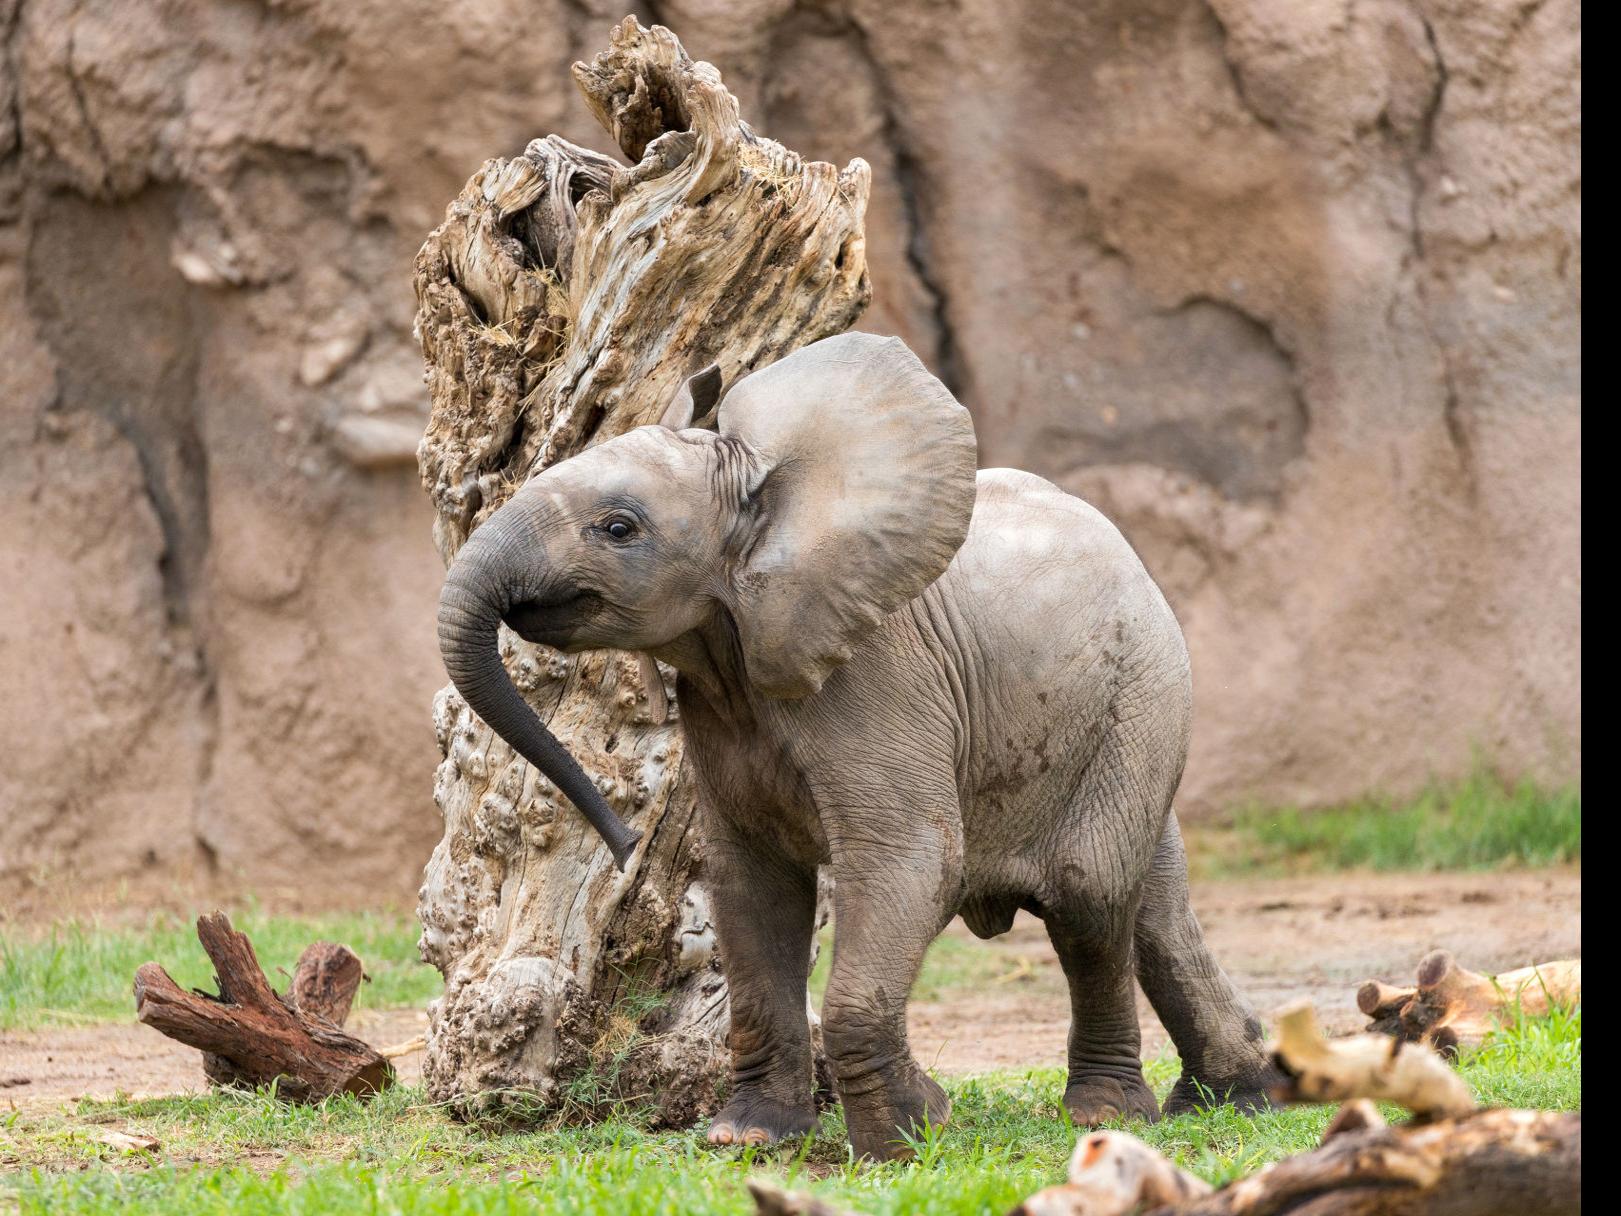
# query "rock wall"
(1290, 290)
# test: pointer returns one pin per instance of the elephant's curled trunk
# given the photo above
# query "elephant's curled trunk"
(477, 594)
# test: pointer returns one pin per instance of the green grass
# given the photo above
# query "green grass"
(80, 972)
(247, 1153)
(1479, 823)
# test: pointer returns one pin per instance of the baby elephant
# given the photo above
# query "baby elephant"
(962, 693)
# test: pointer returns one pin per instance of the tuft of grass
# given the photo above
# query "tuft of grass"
(596, 1092)
(76, 972)
(1533, 1061)
(248, 1153)
(1479, 823)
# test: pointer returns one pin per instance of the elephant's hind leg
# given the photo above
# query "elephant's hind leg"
(1093, 941)
(1213, 1027)
(765, 912)
(1089, 905)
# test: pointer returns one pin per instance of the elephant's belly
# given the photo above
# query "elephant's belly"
(1015, 821)
(991, 915)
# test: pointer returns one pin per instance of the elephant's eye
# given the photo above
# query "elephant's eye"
(620, 529)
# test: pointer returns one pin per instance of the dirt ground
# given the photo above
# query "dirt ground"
(1280, 939)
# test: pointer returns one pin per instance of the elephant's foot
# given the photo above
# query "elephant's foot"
(1102, 1098)
(1247, 1093)
(880, 1121)
(752, 1119)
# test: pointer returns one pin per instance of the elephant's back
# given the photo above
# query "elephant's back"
(1066, 629)
(1032, 544)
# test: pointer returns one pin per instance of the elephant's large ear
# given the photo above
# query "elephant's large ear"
(864, 488)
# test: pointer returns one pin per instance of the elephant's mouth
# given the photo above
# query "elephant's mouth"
(552, 621)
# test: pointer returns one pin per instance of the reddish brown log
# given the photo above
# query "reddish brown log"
(251, 1036)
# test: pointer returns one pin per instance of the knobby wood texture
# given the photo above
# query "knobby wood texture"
(250, 1036)
(562, 302)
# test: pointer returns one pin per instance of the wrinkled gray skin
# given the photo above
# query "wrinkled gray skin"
(964, 694)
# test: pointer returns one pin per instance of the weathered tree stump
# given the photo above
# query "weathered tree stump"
(1452, 1006)
(563, 301)
(250, 1036)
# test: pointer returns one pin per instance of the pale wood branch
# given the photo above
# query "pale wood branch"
(1451, 1006)
(1110, 1174)
(1317, 1069)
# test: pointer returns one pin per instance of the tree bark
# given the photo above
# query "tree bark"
(325, 980)
(250, 1036)
(562, 302)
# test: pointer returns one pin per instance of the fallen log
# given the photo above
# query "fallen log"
(250, 1036)
(1481, 1163)
(1453, 1159)
(1451, 1006)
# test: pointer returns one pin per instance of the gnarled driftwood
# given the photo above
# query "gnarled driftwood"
(1452, 1160)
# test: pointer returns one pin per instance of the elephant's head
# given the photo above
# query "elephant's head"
(838, 484)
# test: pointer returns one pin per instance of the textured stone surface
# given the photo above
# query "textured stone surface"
(1291, 290)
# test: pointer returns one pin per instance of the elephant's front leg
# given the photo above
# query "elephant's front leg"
(765, 913)
(889, 903)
